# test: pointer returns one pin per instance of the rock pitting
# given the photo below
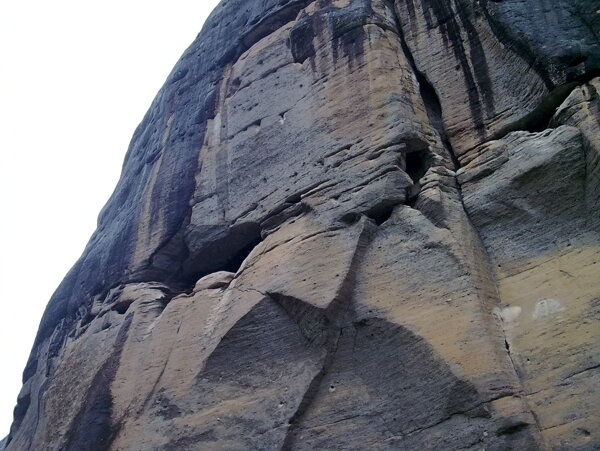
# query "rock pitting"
(344, 224)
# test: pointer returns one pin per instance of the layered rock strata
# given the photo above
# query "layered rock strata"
(344, 224)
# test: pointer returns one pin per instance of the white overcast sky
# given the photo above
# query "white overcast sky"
(76, 78)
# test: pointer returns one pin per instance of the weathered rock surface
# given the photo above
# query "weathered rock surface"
(344, 224)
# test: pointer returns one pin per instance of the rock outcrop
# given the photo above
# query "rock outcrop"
(344, 224)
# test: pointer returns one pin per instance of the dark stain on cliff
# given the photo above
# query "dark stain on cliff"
(349, 45)
(302, 36)
(439, 14)
(347, 31)
(344, 25)
(519, 46)
(433, 107)
(286, 13)
(92, 428)
(478, 59)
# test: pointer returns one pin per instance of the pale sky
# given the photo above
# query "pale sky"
(76, 78)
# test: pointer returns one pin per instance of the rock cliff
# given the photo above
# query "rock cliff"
(344, 224)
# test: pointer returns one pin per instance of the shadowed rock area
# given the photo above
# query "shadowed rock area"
(344, 224)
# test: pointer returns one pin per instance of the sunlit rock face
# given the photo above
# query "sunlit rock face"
(344, 224)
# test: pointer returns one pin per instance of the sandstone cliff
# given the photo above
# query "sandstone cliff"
(344, 224)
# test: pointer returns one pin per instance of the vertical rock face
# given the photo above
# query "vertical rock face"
(344, 224)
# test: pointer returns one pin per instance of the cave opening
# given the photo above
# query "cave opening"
(235, 261)
(381, 212)
(417, 164)
(226, 253)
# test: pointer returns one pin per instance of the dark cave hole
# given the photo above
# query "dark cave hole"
(121, 307)
(235, 261)
(431, 101)
(513, 429)
(576, 60)
(381, 213)
(225, 254)
(294, 198)
(417, 164)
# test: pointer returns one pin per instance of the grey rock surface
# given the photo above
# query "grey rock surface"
(344, 224)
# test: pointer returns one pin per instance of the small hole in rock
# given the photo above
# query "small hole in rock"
(235, 262)
(417, 164)
(512, 429)
(381, 213)
(294, 198)
(224, 254)
(577, 60)
(121, 307)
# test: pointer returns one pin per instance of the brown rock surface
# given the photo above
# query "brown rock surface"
(344, 224)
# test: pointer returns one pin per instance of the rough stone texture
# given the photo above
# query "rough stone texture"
(344, 224)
